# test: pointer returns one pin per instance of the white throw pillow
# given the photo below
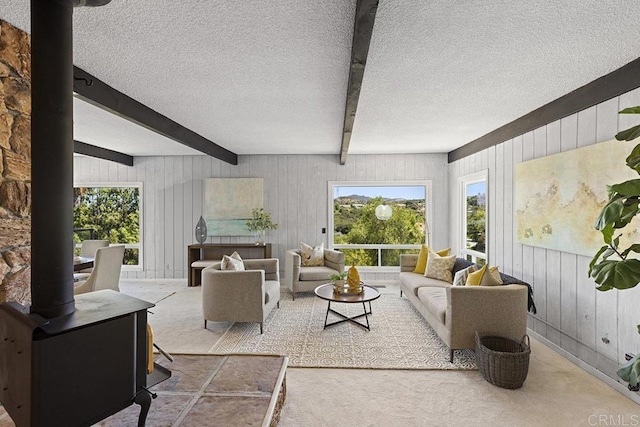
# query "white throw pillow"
(460, 278)
(233, 262)
(312, 256)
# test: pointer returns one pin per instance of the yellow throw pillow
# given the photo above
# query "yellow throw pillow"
(424, 255)
(460, 278)
(439, 267)
(491, 279)
(479, 278)
(474, 279)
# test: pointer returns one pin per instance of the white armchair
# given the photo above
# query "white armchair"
(305, 279)
(241, 296)
(106, 271)
(88, 249)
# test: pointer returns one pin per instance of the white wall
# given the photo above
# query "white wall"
(571, 312)
(295, 192)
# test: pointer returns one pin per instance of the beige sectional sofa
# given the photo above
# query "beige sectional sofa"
(457, 312)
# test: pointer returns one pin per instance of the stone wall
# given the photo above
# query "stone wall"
(15, 164)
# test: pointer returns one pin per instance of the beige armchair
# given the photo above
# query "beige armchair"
(88, 249)
(106, 271)
(241, 296)
(306, 279)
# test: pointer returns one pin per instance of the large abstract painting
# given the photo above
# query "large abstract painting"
(228, 203)
(559, 197)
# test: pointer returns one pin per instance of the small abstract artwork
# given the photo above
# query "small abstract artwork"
(228, 203)
(559, 197)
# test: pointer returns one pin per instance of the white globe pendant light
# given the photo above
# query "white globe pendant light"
(383, 212)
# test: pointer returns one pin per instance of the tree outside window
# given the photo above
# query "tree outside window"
(109, 213)
(474, 217)
(355, 223)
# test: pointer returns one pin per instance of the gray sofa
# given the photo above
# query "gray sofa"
(457, 312)
(241, 296)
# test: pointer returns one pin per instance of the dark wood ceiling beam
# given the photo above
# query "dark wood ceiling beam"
(617, 82)
(362, 31)
(100, 94)
(102, 153)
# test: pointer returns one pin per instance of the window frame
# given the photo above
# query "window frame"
(463, 182)
(427, 184)
(139, 246)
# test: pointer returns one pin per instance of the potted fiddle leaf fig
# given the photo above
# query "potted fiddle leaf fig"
(612, 267)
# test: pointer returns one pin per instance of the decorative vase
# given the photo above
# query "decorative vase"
(260, 237)
(338, 286)
(201, 231)
(353, 280)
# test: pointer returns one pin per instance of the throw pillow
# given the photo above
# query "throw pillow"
(491, 279)
(424, 255)
(312, 256)
(475, 278)
(481, 278)
(233, 262)
(460, 278)
(439, 267)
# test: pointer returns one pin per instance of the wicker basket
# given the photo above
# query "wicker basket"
(503, 361)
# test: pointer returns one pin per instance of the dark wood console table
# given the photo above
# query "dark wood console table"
(211, 252)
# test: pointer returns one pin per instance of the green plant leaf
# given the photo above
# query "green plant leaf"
(629, 134)
(607, 233)
(629, 211)
(595, 258)
(633, 248)
(610, 214)
(633, 159)
(627, 188)
(608, 253)
(639, 329)
(604, 288)
(630, 110)
(624, 274)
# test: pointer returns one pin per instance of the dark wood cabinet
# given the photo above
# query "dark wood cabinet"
(201, 256)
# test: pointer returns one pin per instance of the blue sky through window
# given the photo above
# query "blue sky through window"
(476, 188)
(390, 192)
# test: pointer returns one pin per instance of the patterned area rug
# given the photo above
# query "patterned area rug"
(400, 338)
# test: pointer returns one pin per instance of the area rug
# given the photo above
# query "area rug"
(400, 338)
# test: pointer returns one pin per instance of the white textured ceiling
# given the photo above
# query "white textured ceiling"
(260, 77)
(95, 126)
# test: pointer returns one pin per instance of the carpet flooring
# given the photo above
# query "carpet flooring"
(400, 338)
(556, 392)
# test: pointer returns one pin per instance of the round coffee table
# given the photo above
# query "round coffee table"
(326, 293)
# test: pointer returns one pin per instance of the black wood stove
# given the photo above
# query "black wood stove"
(78, 369)
(65, 361)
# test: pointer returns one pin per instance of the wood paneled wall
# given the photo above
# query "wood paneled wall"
(597, 327)
(295, 192)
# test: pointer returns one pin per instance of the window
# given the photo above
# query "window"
(369, 241)
(473, 202)
(111, 212)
